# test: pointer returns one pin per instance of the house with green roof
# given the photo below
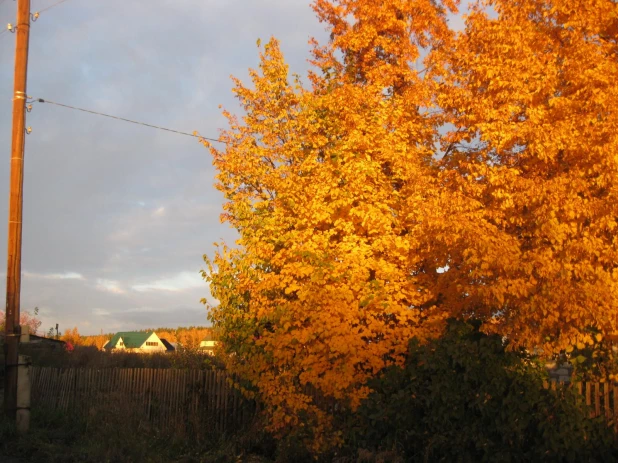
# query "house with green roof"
(136, 341)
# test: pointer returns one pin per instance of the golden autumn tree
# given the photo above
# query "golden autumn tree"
(191, 338)
(170, 335)
(396, 191)
(530, 170)
(72, 336)
(97, 341)
(328, 187)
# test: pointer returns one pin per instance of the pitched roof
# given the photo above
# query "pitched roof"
(168, 345)
(131, 339)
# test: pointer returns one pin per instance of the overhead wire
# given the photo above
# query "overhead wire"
(52, 6)
(37, 13)
(6, 29)
(195, 135)
(41, 100)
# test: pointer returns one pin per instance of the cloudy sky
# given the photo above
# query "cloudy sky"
(118, 216)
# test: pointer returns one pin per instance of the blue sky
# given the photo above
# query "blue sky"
(117, 216)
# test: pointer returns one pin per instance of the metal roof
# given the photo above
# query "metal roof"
(131, 339)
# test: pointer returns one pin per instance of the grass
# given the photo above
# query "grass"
(107, 436)
(110, 432)
(111, 429)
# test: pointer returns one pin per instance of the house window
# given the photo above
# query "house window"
(150, 343)
(121, 344)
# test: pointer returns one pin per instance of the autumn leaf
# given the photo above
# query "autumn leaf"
(417, 176)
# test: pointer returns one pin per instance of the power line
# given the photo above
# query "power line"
(195, 135)
(50, 6)
(6, 29)
(36, 13)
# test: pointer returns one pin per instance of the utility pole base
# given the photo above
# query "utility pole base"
(22, 415)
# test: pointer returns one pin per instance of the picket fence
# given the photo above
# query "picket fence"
(167, 398)
(163, 398)
(601, 398)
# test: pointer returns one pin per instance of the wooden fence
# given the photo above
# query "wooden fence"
(601, 398)
(172, 399)
(160, 398)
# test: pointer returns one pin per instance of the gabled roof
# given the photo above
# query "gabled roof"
(208, 337)
(131, 339)
(168, 345)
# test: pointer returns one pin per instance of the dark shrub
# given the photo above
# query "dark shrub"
(464, 397)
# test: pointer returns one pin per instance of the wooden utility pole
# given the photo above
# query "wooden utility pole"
(13, 272)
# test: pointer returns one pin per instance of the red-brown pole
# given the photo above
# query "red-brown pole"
(13, 273)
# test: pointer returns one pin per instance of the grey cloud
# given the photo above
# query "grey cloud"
(92, 185)
(94, 305)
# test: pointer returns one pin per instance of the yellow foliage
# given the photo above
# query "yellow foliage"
(97, 341)
(531, 160)
(169, 335)
(357, 232)
(191, 338)
(72, 336)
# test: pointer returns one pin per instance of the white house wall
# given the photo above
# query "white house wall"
(160, 347)
(119, 344)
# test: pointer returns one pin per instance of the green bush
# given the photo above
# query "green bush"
(465, 397)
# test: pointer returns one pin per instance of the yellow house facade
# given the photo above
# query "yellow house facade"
(207, 345)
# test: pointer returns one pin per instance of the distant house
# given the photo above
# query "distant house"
(207, 345)
(134, 341)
